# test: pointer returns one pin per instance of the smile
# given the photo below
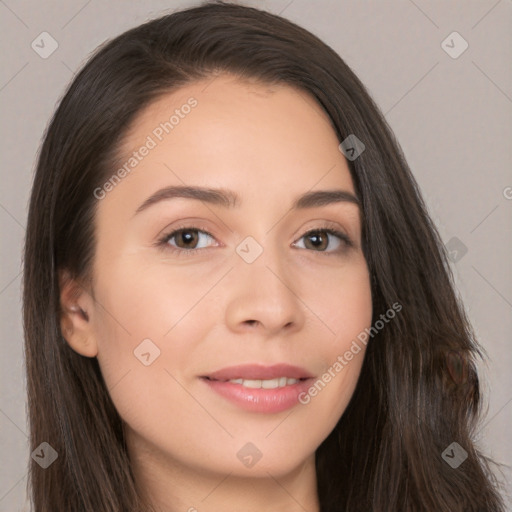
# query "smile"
(279, 382)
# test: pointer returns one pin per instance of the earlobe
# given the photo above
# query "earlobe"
(75, 316)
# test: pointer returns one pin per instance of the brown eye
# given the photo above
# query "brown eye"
(187, 239)
(326, 240)
(317, 240)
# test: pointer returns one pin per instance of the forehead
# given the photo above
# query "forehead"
(261, 140)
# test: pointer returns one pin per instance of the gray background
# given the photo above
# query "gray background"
(452, 117)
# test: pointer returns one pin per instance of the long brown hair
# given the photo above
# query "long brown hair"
(418, 391)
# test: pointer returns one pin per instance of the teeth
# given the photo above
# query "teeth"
(279, 382)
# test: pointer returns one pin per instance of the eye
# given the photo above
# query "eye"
(186, 240)
(321, 238)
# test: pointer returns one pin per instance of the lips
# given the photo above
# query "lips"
(259, 372)
(268, 401)
(258, 388)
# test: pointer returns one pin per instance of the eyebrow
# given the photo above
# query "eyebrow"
(229, 199)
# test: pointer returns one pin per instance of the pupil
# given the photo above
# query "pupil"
(317, 240)
(187, 237)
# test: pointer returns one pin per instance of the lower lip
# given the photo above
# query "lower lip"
(260, 400)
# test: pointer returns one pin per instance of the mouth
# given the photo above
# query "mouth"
(259, 388)
(278, 382)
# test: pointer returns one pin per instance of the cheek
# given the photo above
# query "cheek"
(140, 300)
(341, 300)
(145, 370)
(149, 298)
(145, 338)
(345, 307)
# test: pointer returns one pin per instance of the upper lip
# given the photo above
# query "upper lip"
(260, 372)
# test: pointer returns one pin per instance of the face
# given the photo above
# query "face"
(205, 301)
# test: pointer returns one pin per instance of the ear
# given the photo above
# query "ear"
(76, 306)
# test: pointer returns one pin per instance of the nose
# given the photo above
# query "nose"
(262, 297)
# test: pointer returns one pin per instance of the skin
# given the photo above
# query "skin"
(295, 303)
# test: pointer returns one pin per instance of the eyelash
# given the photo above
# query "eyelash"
(163, 241)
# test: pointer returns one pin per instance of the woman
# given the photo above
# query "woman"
(234, 297)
